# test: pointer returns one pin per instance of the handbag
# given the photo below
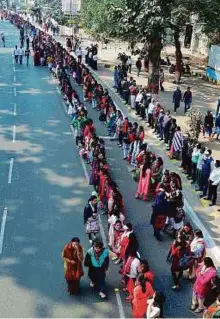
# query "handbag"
(92, 225)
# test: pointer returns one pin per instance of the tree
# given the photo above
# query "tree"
(132, 21)
(208, 14)
(194, 122)
(96, 19)
(180, 16)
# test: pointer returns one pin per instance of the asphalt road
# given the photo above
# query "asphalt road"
(45, 197)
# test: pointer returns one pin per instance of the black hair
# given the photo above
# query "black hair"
(198, 233)
(209, 262)
(129, 226)
(142, 282)
(98, 244)
(92, 198)
(75, 240)
(145, 263)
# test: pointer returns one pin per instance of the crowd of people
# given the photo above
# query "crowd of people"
(187, 253)
(196, 161)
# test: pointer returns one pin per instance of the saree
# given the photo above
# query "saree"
(73, 272)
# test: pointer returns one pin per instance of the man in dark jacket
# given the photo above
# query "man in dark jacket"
(177, 97)
(97, 261)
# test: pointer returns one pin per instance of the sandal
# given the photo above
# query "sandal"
(193, 307)
(198, 310)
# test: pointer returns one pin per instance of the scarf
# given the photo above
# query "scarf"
(98, 260)
(73, 272)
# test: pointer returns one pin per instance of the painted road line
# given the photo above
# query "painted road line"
(14, 78)
(4, 217)
(10, 170)
(13, 68)
(15, 92)
(14, 134)
(106, 137)
(15, 109)
(210, 243)
(119, 302)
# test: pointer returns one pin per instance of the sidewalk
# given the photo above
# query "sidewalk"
(204, 217)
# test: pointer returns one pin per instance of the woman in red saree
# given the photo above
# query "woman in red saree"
(72, 255)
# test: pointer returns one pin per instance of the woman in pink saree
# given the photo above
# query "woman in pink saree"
(144, 181)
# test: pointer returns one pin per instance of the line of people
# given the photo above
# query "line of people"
(137, 278)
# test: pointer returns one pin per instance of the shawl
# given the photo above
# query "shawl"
(73, 271)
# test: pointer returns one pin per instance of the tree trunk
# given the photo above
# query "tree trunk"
(179, 56)
(154, 47)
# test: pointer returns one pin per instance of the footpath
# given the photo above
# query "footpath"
(204, 97)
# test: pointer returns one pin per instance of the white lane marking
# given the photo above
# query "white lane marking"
(4, 217)
(10, 170)
(106, 137)
(14, 78)
(13, 68)
(14, 133)
(15, 109)
(119, 302)
(15, 92)
(210, 243)
(13, 61)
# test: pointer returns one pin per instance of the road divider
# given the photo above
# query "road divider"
(15, 92)
(2, 232)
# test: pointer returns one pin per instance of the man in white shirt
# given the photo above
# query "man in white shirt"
(79, 54)
(214, 180)
(16, 52)
(21, 54)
